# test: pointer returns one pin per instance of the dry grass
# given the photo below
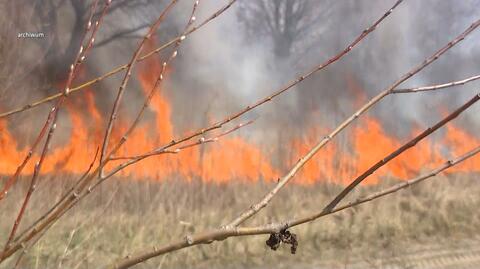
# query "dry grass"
(124, 216)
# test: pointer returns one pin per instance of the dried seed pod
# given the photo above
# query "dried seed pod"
(285, 237)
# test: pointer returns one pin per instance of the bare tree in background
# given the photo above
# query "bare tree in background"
(286, 23)
(287, 26)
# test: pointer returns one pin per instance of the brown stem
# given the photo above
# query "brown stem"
(12, 179)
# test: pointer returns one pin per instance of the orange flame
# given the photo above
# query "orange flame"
(460, 142)
(11, 156)
(233, 157)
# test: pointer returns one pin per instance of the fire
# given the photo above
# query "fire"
(9, 147)
(233, 157)
(229, 158)
(370, 143)
(323, 165)
(461, 140)
(236, 158)
(242, 160)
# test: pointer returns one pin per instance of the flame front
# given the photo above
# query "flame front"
(234, 157)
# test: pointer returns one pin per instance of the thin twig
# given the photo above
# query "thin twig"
(31, 189)
(200, 141)
(175, 151)
(13, 178)
(438, 86)
(26, 247)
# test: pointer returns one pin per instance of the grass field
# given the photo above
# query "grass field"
(125, 216)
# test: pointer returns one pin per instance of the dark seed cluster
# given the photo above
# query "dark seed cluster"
(285, 237)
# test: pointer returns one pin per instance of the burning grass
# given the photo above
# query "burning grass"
(367, 142)
(128, 215)
(124, 216)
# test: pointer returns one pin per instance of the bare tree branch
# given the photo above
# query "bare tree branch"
(159, 80)
(80, 57)
(13, 178)
(121, 34)
(438, 86)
